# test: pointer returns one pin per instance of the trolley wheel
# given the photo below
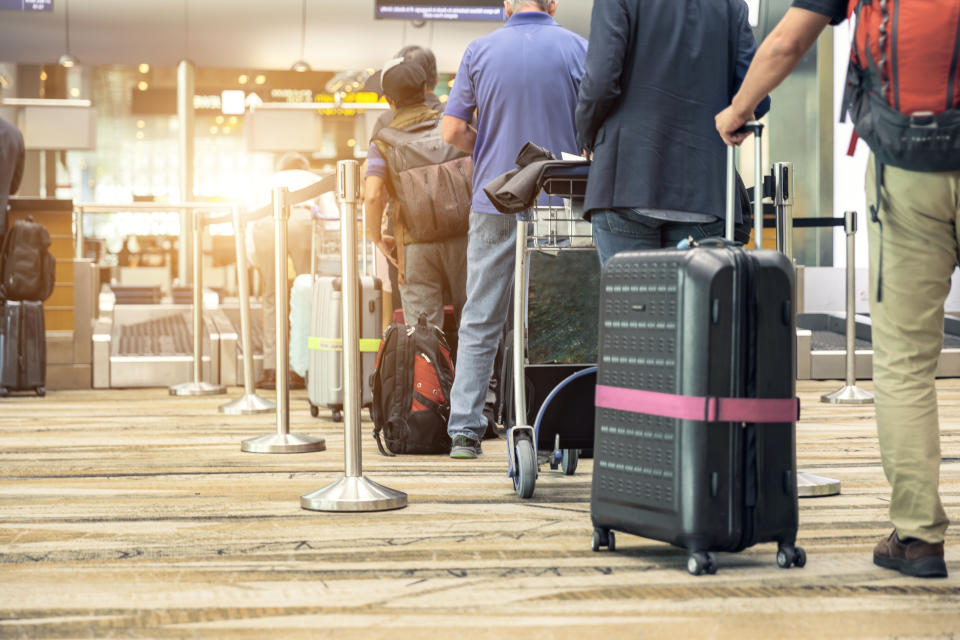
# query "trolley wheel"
(603, 537)
(41, 391)
(4, 392)
(568, 464)
(336, 415)
(314, 410)
(525, 478)
(786, 554)
(700, 562)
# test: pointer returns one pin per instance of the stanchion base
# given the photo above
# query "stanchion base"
(197, 389)
(247, 404)
(848, 395)
(810, 485)
(283, 443)
(354, 494)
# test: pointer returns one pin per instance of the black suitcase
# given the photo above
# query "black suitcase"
(23, 347)
(694, 438)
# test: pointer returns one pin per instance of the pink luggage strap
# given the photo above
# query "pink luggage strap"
(707, 409)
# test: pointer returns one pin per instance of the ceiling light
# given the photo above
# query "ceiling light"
(67, 61)
(144, 67)
(142, 85)
(260, 79)
(243, 78)
(301, 65)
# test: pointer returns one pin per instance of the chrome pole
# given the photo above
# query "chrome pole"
(352, 492)
(850, 393)
(519, 325)
(250, 402)
(282, 441)
(783, 201)
(198, 387)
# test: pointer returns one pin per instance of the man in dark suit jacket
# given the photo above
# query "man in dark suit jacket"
(12, 156)
(656, 73)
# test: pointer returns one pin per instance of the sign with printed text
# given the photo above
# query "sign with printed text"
(27, 5)
(491, 10)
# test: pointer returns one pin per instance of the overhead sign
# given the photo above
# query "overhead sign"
(491, 10)
(27, 5)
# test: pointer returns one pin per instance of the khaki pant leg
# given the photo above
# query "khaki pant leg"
(422, 291)
(913, 269)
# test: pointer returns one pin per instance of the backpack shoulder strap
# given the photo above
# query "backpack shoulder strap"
(393, 136)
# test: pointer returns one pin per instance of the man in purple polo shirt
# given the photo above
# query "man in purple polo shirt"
(522, 81)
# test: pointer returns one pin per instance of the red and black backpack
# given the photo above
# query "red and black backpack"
(411, 390)
(903, 82)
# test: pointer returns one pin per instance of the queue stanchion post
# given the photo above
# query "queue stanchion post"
(850, 393)
(198, 387)
(282, 441)
(809, 485)
(783, 205)
(249, 402)
(353, 492)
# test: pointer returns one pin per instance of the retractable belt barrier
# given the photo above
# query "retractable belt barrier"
(283, 441)
(249, 402)
(354, 491)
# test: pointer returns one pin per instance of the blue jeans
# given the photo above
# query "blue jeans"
(616, 230)
(491, 247)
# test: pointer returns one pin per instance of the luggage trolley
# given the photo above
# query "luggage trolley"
(549, 366)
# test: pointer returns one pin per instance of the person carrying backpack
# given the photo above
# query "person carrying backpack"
(430, 181)
(903, 92)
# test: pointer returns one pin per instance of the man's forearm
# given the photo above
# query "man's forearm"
(459, 133)
(777, 56)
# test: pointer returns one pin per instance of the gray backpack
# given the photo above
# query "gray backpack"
(430, 179)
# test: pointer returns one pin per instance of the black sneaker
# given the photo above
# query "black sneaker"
(464, 448)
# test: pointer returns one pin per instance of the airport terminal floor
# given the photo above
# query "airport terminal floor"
(134, 513)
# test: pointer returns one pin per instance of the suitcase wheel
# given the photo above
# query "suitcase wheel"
(603, 538)
(525, 478)
(41, 391)
(3, 392)
(314, 410)
(336, 415)
(701, 562)
(788, 555)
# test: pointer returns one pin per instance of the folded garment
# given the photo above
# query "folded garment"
(517, 190)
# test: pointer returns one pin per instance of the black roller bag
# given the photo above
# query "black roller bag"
(23, 347)
(27, 274)
(694, 438)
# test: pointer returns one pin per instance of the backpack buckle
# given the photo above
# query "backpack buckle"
(923, 120)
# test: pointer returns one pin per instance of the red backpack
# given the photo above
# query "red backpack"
(903, 82)
(411, 390)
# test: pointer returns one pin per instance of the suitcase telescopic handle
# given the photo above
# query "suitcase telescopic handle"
(756, 128)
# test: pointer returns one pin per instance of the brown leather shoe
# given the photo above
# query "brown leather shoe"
(268, 380)
(296, 382)
(911, 558)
